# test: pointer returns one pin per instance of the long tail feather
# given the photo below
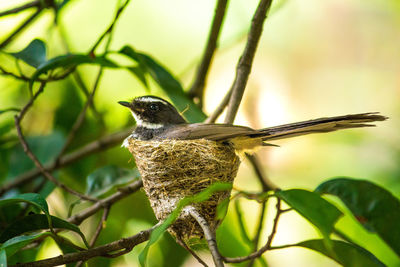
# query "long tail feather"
(321, 125)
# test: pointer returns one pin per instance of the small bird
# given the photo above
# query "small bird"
(157, 119)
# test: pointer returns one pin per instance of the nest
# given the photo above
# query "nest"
(174, 169)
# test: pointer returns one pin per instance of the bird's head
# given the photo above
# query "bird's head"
(153, 112)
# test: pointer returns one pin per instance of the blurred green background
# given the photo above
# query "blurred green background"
(315, 59)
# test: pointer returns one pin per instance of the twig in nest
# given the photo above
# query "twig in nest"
(209, 234)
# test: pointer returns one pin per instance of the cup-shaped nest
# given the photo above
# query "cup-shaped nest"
(174, 169)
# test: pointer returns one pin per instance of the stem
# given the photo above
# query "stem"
(246, 60)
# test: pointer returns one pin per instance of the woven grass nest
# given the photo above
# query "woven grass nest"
(174, 169)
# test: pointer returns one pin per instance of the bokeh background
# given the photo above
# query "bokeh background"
(315, 59)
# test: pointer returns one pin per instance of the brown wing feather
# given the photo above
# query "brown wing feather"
(221, 132)
(210, 131)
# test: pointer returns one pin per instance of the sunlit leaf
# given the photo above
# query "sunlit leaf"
(242, 227)
(372, 206)
(106, 178)
(314, 208)
(70, 61)
(168, 83)
(37, 222)
(34, 54)
(200, 197)
(346, 254)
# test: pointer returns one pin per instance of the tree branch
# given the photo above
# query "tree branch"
(122, 193)
(120, 247)
(35, 160)
(91, 148)
(246, 60)
(197, 88)
(265, 182)
(14, 10)
(267, 246)
(209, 234)
(21, 27)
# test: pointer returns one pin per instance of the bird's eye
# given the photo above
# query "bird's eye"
(154, 107)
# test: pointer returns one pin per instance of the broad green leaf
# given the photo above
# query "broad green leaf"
(168, 83)
(45, 147)
(34, 54)
(37, 222)
(106, 178)
(30, 198)
(3, 258)
(373, 206)
(314, 208)
(14, 244)
(70, 61)
(346, 254)
(222, 209)
(200, 197)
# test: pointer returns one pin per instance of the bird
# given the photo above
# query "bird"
(157, 119)
(177, 159)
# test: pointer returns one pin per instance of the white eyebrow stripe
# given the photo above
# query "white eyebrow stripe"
(150, 99)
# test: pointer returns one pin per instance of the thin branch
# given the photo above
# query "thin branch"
(14, 10)
(35, 160)
(118, 247)
(100, 226)
(183, 244)
(122, 193)
(267, 246)
(209, 234)
(246, 60)
(259, 230)
(89, 149)
(218, 111)
(110, 28)
(30, 102)
(197, 88)
(81, 117)
(21, 27)
(27, 79)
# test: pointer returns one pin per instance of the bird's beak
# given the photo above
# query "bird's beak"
(125, 104)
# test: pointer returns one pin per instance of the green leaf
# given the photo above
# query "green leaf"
(314, 208)
(12, 245)
(37, 222)
(373, 206)
(34, 54)
(242, 227)
(222, 209)
(70, 61)
(106, 178)
(346, 254)
(30, 198)
(168, 83)
(160, 229)
(3, 258)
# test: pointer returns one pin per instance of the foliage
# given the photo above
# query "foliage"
(25, 217)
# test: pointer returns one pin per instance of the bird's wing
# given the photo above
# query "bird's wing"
(215, 132)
